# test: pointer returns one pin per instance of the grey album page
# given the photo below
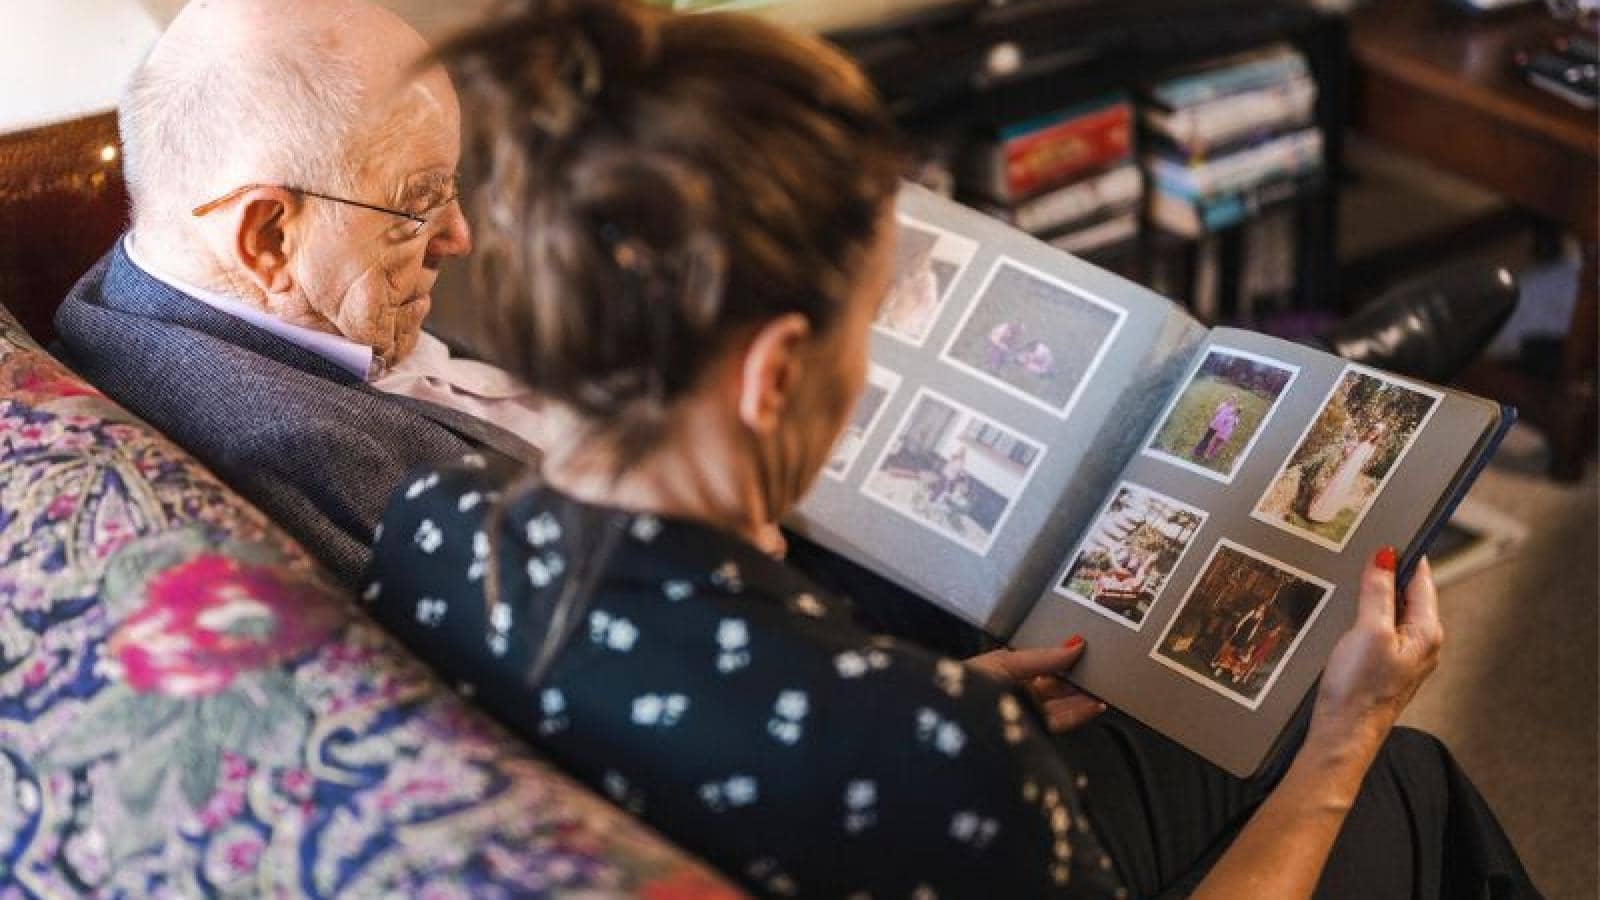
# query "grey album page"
(1223, 564)
(1010, 382)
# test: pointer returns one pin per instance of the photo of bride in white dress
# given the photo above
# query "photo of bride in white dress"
(1346, 456)
(1343, 489)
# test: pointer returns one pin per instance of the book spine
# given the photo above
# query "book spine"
(1062, 206)
(1210, 126)
(1192, 217)
(1210, 85)
(1013, 170)
(1110, 231)
(1290, 154)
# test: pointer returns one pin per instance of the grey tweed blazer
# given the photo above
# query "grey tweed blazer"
(314, 447)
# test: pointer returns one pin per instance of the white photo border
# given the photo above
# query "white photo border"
(1355, 526)
(1061, 412)
(1148, 450)
(1055, 584)
(969, 252)
(1328, 590)
(899, 428)
(894, 380)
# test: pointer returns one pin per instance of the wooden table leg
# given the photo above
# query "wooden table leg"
(1572, 435)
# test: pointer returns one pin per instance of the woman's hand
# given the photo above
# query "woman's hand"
(1380, 662)
(1040, 672)
(1375, 669)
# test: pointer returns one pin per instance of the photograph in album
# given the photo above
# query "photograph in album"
(1226, 405)
(880, 386)
(1241, 622)
(927, 263)
(953, 471)
(1130, 552)
(1343, 461)
(1034, 336)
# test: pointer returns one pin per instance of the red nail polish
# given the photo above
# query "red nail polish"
(1073, 642)
(1386, 559)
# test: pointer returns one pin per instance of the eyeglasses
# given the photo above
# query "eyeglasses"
(435, 197)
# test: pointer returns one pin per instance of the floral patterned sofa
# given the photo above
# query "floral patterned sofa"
(186, 709)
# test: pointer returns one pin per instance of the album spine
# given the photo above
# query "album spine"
(1108, 231)
(1193, 216)
(1226, 80)
(1291, 154)
(1021, 164)
(1056, 209)
(1222, 126)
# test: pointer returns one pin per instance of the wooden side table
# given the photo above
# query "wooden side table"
(1441, 87)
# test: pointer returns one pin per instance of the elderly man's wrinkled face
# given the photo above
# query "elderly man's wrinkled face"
(370, 273)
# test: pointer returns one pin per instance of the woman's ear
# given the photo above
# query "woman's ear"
(771, 370)
(261, 241)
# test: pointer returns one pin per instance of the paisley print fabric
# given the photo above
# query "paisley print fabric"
(188, 708)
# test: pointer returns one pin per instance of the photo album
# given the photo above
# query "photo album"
(1046, 449)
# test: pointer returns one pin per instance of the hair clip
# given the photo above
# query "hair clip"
(584, 63)
(580, 72)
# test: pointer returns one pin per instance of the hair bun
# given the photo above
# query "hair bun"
(556, 57)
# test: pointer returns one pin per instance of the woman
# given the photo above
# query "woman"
(1343, 488)
(686, 223)
(913, 300)
(1037, 360)
(1236, 650)
(951, 473)
(1220, 429)
(1004, 339)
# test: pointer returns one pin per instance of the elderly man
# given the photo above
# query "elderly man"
(293, 187)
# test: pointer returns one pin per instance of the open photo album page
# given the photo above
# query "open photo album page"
(995, 413)
(1218, 573)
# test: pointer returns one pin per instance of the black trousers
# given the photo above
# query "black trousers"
(1419, 828)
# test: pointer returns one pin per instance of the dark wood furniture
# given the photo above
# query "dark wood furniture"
(62, 205)
(1441, 86)
(940, 77)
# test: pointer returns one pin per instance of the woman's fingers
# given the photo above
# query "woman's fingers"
(1377, 590)
(1422, 599)
(1045, 688)
(1021, 665)
(1071, 712)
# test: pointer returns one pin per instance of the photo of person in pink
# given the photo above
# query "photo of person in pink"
(1223, 421)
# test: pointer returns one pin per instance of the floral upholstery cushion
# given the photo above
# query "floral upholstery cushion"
(187, 709)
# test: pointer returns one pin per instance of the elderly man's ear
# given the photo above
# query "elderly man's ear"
(262, 240)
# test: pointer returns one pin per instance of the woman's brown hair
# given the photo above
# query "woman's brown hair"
(647, 183)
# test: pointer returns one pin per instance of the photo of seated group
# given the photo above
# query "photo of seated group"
(927, 263)
(1034, 337)
(881, 385)
(953, 471)
(1241, 622)
(1215, 421)
(1343, 461)
(1132, 548)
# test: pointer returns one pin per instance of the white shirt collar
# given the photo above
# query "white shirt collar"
(358, 359)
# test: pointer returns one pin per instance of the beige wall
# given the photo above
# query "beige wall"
(62, 59)
(434, 18)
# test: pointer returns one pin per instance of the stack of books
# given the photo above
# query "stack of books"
(1069, 178)
(1224, 141)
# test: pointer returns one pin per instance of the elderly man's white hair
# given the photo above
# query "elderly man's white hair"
(248, 91)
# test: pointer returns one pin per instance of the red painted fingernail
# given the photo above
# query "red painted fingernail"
(1386, 559)
(1073, 642)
